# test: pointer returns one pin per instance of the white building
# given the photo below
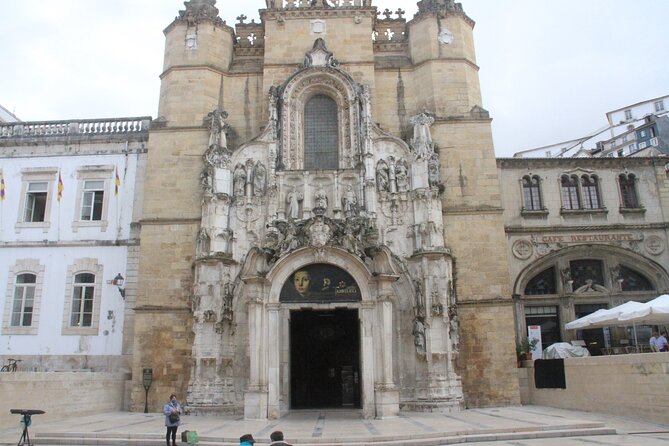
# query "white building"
(7, 116)
(624, 119)
(66, 232)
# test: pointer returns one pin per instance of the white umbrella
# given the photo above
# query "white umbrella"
(654, 312)
(612, 315)
(583, 322)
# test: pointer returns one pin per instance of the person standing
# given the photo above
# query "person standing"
(173, 412)
(277, 439)
(653, 342)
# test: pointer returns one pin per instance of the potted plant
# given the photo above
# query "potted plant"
(524, 348)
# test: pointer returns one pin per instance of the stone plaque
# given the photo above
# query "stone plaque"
(654, 245)
(522, 249)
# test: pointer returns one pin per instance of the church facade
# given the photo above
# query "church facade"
(321, 188)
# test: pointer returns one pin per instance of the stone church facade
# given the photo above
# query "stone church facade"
(321, 190)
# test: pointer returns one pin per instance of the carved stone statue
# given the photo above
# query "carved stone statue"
(422, 138)
(239, 181)
(401, 176)
(591, 286)
(217, 128)
(433, 176)
(206, 180)
(293, 200)
(382, 177)
(349, 202)
(418, 333)
(321, 199)
(259, 179)
(420, 299)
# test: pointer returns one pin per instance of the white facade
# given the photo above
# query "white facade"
(6, 115)
(627, 118)
(54, 241)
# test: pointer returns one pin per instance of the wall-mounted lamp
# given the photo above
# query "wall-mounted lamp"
(119, 281)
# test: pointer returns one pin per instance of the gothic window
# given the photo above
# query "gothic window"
(542, 283)
(570, 198)
(532, 193)
(583, 271)
(24, 298)
(321, 138)
(634, 281)
(82, 300)
(590, 189)
(628, 196)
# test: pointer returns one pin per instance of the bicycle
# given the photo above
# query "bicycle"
(10, 366)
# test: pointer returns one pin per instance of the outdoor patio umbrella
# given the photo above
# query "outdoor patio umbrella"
(654, 312)
(583, 322)
(612, 315)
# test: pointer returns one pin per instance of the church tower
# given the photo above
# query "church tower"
(322, 220)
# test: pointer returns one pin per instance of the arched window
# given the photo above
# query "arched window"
(628, 196)
(24, 298)
(570, 198)
(542, 283)
(321, 133)
(82, 300)
(590, 189)
(532, 193)
(634, 281)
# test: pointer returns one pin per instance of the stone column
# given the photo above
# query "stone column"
(255, 398)
(386, 394)
(273, 359)
(367, 358)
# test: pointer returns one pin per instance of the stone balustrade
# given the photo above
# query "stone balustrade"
(290, 4)
(75, 127)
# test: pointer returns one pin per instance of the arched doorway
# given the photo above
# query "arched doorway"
(324, 337)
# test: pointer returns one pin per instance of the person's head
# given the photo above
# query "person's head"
(664, 333)
(173, 398)
(301, 281)
(276, 436)
(246, 438)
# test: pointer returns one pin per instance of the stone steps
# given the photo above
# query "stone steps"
(433, 439)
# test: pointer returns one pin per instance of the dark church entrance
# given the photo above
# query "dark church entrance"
(325, 359)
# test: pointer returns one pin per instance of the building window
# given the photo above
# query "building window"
(36, 201)
(624, 138)
(586, 273)
(321, 137)
(547, 318)
(631, 148)
(642, 134)
(613, 143)
(634, 281)
(570, 198)
(82, 300)
(628, 114)
(24, 300)
(590, 189)
(659, 106)
(621, 153)
(92, 200)
(628, 194)
(532, 193)
(543, 283)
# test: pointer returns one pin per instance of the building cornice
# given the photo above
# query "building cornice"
(566, 163)
(512, 230)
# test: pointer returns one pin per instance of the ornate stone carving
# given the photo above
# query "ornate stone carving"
(654, 245)
(200, 9)
(382, 180)
(421, 143)
(522, 249)
(418, 333)
(320, 200)
(319, 56)
(349, 202)
(217, 128)
(439, 6)
(433, 174)
(293, 200)
(259, 179)
(239, 181)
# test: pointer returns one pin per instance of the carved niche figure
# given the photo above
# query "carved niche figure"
(418, 333)
(349, 202)
(203, 241)
(382, 176)
(321, 199)
(402, 176)
(217, 128)
(259, 179)
(433, 171)
(293, 200)
(422, 138)
(420, 299)
(239, 181)
(206, 181)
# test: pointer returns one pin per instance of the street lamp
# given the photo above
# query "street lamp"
(147, 379)
(119, 280)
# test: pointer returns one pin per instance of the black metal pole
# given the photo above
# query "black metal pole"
(146, 400)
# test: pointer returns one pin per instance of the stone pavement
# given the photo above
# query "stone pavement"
(512, 426)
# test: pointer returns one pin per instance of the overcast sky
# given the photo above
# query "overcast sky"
(550, 69)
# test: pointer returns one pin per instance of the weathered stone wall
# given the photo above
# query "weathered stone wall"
(634, 385)
(60, 394)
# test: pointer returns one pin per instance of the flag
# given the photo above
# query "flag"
(60, 187)
(2, 187)
(117, 183)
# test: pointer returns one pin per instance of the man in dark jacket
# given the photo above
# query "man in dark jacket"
(277, 439)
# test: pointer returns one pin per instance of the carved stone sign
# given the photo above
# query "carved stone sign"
(320, 283)
(587, 238)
